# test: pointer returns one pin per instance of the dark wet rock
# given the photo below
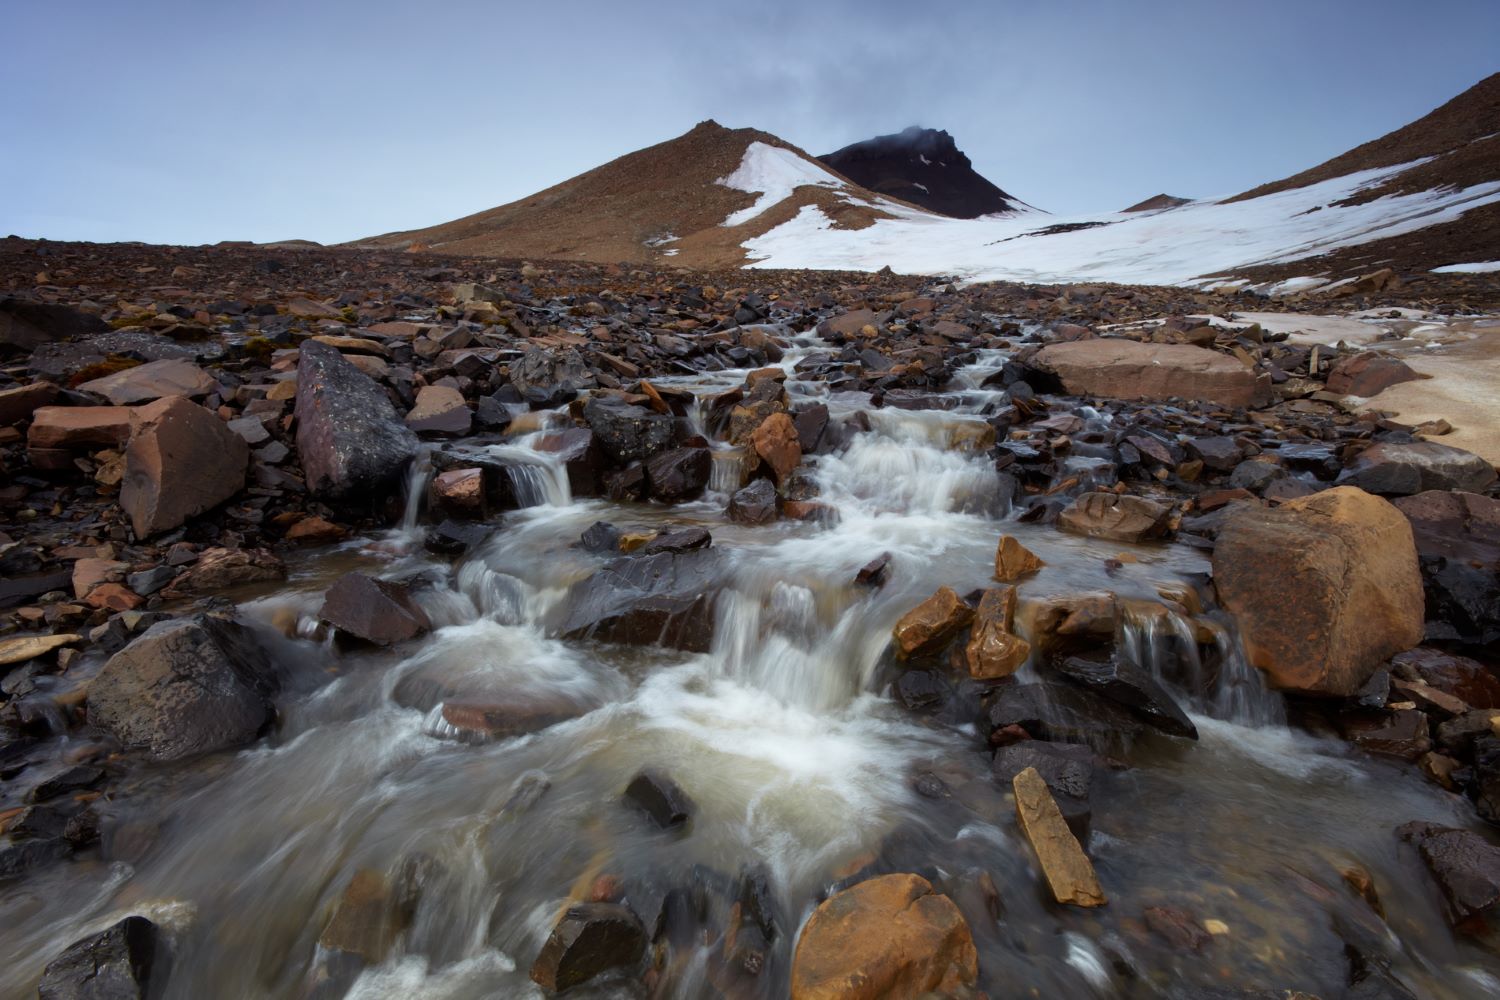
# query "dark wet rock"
(679, 474)
(1468, 680)
(627, 432)
(26, 325)
(115, 964)
(1404, 469)
(754, 504)
(1061, 713)
(453, 538)
(74, 779)
(677, 540)
(921, 690)
(1466, 868)
(19, 857)
(1221, 454)
(1324, 589)
(1121, 518)
(1402, 733)
(665, 599)
(660, 797)
(601, 536)
(1176, 927)
(876, 572)
(811, 422)
(353, 445)
(182, 460)
(1255, 476)
(1458, 538)
(590, 940)
(626, 484)
(476, 721)
(1067, 768)
(1484, 785)
(185, 687)
(551, 377)
(1124, 682)
(378, 611)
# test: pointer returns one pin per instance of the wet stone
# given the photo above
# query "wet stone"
(590, 940)
(1127, 684)
(661, 798)
(115, 964)
(754, 504)
(378, 611)
(1067, 768)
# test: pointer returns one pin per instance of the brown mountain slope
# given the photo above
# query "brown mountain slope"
(1447, 133)
(626, 210)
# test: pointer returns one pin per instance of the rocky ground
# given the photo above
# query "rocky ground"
(177, 425)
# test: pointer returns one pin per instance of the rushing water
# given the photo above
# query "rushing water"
(784, 734)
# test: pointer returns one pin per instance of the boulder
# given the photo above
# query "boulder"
(185, 687)
(993, 650)
(1324, 589)
(19, 402)
(153, 380)
(378, 611)
(627, 432)
(777, 444)
(754, 504)
(1403, 469)
(931, 625)
(26, 325)
(1064, 713)
(1458, 676)
(1466, 868)
(115, 964)
(679, 474)
(659, 797)
(1014, 560)
(440, 409)
(1367, 374)
(1131, 686)
(459, 492)
(1069, 874)
(1458, 542)
(352, 444)
(1127, 369)
(590, 940)
(78, 427)
(551, 377)
(888, 938)
(1120, 518)
(181, 461)
(662, 599)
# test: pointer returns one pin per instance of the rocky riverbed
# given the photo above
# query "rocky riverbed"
(383, 624)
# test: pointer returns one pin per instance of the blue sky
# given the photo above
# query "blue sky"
(192, 122)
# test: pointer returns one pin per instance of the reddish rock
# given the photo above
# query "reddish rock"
(994, 651)
(79, 427)
(153, 380)
(1014, 560)
(888, 938)
(1324, 589)
(181, 461)
(114, 597)
(777, 444)
(378, 611)
(1366, 374)
(219, 569)
(1127, 369)
(314, 531)
(440, 409)
(929, 626)
(459, 491)
(89, 573)
(1121, 518)
(18, 403)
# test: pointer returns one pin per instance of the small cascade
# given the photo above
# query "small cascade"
(729, 471)
(1225, 687)
(417, 478)
(914, 462)
(537, 478)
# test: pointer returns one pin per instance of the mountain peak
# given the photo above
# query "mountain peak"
(923, 166)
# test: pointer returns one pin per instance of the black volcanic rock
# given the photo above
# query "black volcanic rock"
(922, 166)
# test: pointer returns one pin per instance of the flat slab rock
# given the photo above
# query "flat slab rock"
(153, 380)
(1127, 369)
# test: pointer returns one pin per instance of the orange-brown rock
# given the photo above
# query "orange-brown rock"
(181, 461)
(1068, 870)
(1324, 588)
(314, 530)
(78, 427)
(888, 938)
(114, 597)
(777, 444)
(366, 921)
(1014, 560)
(1127, 369)
(929, 626)
(1120, 518)
(993, 650)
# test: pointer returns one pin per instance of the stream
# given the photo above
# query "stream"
(802, 765)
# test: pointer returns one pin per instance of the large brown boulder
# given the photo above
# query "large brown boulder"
(181, 461)
(777, 444)
(891, 937)
(1118, 517)
(1127, 369)
(1324, 588)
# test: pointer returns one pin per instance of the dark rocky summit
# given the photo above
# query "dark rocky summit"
(922, 166)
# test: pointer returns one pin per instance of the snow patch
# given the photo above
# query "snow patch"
(1178, 247)
(1481, 267)
(773, 173)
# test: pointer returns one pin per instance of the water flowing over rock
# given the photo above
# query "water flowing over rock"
(115, 964)
(181, 461)
(1067, 768)
(678, 475)
(1068, 871)
(353, 445)
(1466, 867)
(185, 687)
(666, 598)
(888, 938)
(1324, 589)
(1127, 684)
(1127, 369)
